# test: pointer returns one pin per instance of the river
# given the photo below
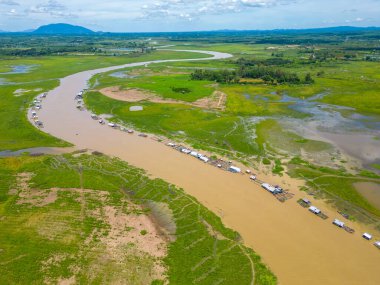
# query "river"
(299, 247)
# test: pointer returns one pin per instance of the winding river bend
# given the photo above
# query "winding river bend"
(299, 247)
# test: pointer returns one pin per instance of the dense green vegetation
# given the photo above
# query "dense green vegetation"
(252, 69)
(56, 238)
(45, 45)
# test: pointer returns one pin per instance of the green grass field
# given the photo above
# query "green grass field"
(16, 131)
(68, 237)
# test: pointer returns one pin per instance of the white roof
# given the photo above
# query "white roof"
(377, 243)
(314, 209)
(237, 169)
(338, 223)
(268, 187)
(203, 158)
(367, 235)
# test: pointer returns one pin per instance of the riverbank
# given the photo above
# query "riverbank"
(293, 242)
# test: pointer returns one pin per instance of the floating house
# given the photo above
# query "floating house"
(306, 201)
(314, 210)
(234, 169)
(194, 153)
(204, 159)
(338, 223)
(367, 236)
(185, 150)
(268, 187)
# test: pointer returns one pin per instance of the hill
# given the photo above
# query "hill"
(63, 29)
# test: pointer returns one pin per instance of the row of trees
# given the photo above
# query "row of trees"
(46, 51)
(221, 76)
(267, 74)
(275, 61)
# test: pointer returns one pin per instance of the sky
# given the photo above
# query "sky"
(188, 15)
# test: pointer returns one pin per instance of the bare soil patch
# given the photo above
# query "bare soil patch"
(33, 197)
(216, 101)
(125, 237)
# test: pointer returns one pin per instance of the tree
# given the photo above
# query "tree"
(309, 79)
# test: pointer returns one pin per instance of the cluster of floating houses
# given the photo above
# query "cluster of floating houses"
(220, 163)
(36, 106)
(79, 99)
(340, 224)
(102, 121)
(276, 191)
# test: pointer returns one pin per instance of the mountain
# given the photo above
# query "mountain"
(62, 29)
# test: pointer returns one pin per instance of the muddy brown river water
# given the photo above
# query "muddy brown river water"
(299, 247)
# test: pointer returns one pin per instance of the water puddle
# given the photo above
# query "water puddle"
(122, 74)
(20, 69)
(370, 191)
(4, 81)
(355, 135)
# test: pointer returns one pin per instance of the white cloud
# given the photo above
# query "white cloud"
(189, 10)
(9, 3)
(356, 20)
(52, 8)
(182, 15)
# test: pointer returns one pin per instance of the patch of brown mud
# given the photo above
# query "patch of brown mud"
(44, 197)
(131, 239)
(216, 101)
(141, 232)
(370, 191)
(124, 246)
(34, 197)
(163, 219)
(68, 281)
